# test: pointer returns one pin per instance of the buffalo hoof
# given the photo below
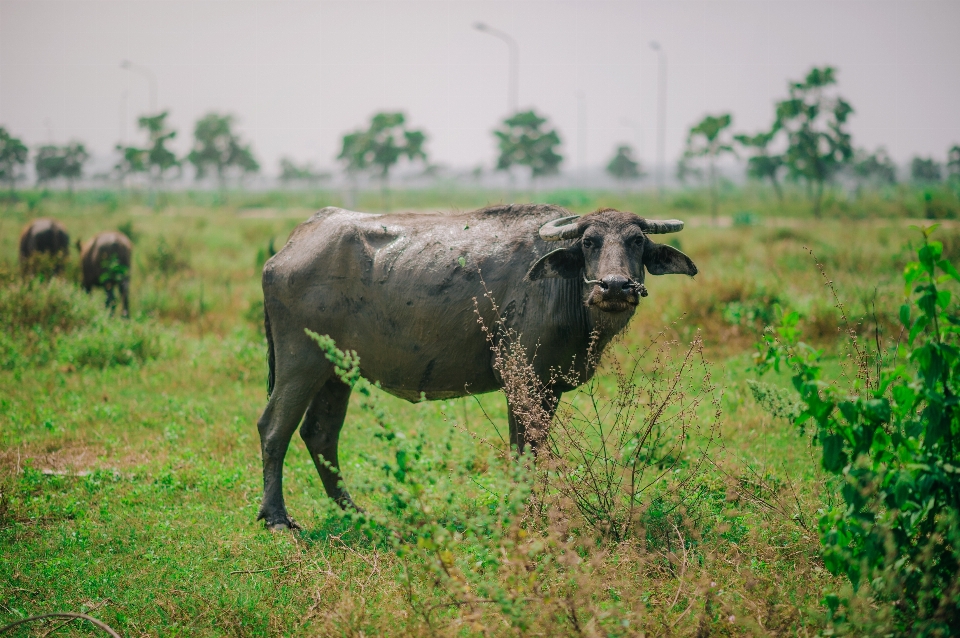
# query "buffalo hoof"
(282, 525)
(278, 521)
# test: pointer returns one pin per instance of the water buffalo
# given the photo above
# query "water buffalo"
(400, 291)
(44, 236)
(105, 260)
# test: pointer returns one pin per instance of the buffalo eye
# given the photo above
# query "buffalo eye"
(587, 242)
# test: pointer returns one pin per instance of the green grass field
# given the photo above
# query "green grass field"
(130, 471)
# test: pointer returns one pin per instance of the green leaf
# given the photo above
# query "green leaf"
(834, 458)
(905, 315)
(877, 410)
(911, 272)
(948, 268)
(462, 261)
(929, 255)
(849, 411)
(918, 327)
(943, 298)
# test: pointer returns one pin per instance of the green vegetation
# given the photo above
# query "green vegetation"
(155, 159)
(891, 438)
(379, 147)
(60, 162)
(13, 156)
(129, 456)
(523, 141)
(623, 166)
(217, 148)
(707, 142)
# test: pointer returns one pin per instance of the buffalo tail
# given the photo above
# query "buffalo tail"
(271, 357)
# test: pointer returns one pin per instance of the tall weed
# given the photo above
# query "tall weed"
(54, 320)
(500, 543)
(892, 437)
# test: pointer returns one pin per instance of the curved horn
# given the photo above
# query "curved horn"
(558, 229)
(660, 226)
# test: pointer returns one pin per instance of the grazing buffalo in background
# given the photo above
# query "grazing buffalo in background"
(44, 236)
(400, 290)
(105, 261)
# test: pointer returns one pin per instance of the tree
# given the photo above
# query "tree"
(523, 141)
(13, 156)
(814, 121)
(623, 167)
(381, 146)
(874, 167)
(155, 159)
(216, 147)
(290, 172)
(54, 162)
(762, 164)
(706, 141)
(953, 163)
(925, 169)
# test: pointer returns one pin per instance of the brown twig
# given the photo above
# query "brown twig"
(265, 569)
(67, 622)
(62, 614)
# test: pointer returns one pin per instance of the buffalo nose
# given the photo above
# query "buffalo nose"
(615, 284)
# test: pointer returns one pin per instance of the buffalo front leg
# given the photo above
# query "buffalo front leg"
(530, 424)
(321, 432)
(125, 296)
(280, 418)
(111, 298)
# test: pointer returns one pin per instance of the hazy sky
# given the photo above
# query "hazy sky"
(300, 74)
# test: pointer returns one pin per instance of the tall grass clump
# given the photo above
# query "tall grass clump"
(629, 450)
(502, 544)
(55, 321)
(889, 430)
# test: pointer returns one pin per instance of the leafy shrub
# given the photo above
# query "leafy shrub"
(107, 343)
(621, 454)
(688, 200)
(127, 229)
(892, 439)
(745, 218)
(50, 305)
(496, 543)
(168, 260)
(56, 321)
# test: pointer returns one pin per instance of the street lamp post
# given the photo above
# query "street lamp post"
(582, 131)
(514, 79)
(661, 113)
(151, 79)
(637, 129)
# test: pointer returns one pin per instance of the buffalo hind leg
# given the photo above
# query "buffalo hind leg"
(280, 418)
(321, 432)
(530, 429)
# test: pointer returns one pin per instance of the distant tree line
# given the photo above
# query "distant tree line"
(808, 143)
(217, 151)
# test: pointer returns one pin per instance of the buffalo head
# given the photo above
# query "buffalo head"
(612, 255)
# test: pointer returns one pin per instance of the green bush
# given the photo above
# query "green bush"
(56, 305)
(892, 440)
(56, 321)
(107, 343)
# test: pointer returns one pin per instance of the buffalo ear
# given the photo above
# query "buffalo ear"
(661, 259)
(563, 263)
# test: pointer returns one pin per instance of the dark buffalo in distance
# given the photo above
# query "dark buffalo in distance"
(44, 236)
(400, 290)
(105, 261)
